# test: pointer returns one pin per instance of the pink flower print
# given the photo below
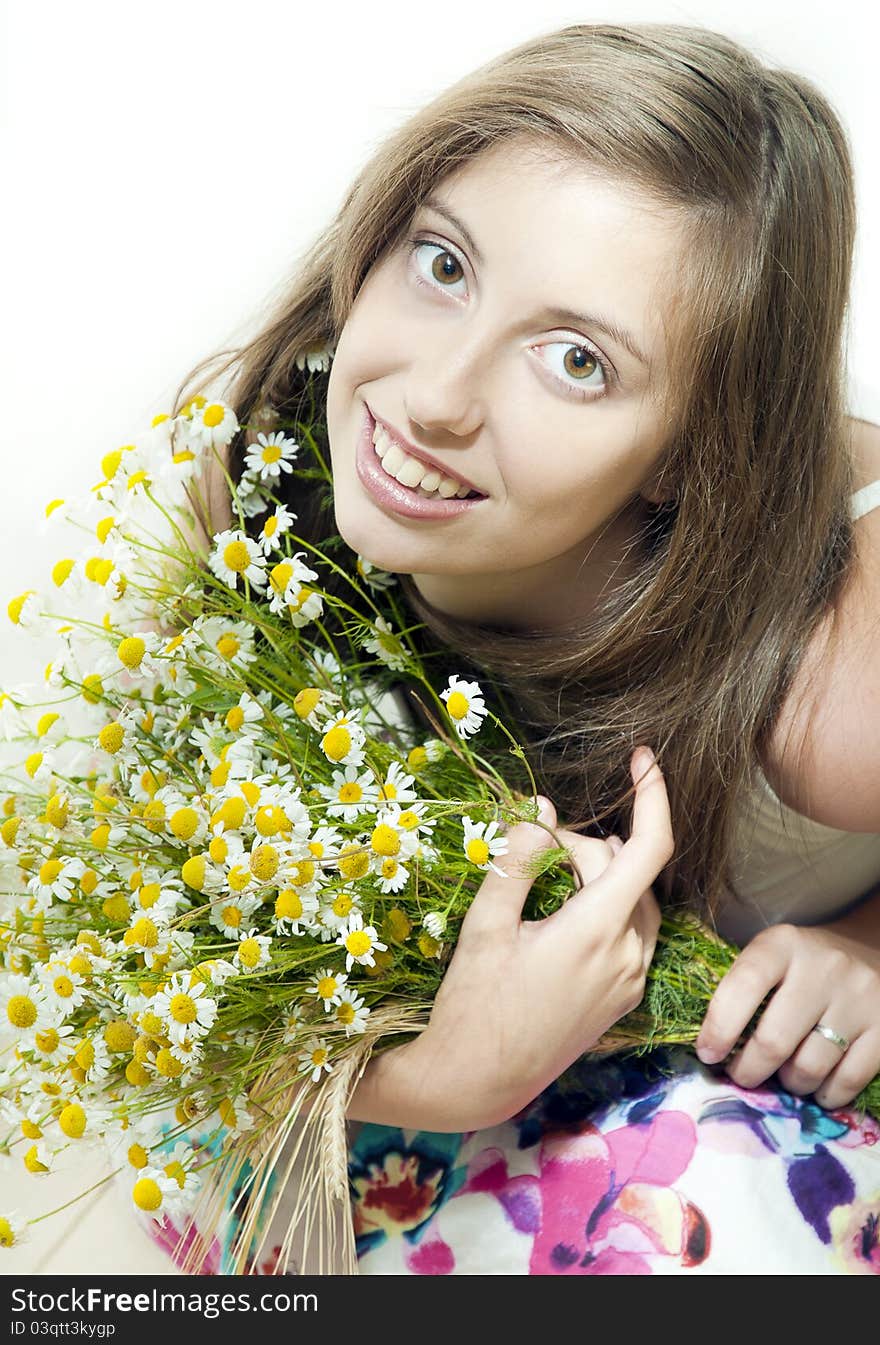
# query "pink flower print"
(603, 1204)
(855, 1233)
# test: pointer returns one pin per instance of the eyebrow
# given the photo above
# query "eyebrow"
(565, 316)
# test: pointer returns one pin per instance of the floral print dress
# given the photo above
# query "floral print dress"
(657, 1165)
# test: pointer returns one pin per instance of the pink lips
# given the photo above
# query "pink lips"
(390, 494)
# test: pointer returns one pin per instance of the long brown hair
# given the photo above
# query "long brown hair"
(695, 653)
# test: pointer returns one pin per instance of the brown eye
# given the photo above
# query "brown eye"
(579, 362)
(444, 267)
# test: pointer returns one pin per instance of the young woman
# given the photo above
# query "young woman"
(600, 286)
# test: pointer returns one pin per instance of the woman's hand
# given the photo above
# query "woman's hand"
(521, 1000)
(822, 975)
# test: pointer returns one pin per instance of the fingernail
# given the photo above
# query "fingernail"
(709, 1056)
(644, 758)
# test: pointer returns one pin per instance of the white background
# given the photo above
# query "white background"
(165, 164)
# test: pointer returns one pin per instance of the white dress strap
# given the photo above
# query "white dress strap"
(864, 500)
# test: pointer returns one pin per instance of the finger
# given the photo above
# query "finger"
(648, 850)
(649, 918)
(855, 1070)
(808, 1067)
(782, 1031)
(738, 996)
(500, 899)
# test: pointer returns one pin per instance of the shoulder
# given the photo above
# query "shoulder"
(825, 748)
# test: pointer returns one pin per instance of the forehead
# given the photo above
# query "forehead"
(567, 234)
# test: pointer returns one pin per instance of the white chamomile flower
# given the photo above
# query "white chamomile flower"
(274, 528)
(343, 741)
(481, 842)
(25, 610)
(234, 1114)
(231, 913)
(64, 989)
(155, 1193)
(397, 787)
(465, 705)
(360, 942)
(13, 1229)
(185, 1007)
(225, 643)
(350, 794)
(315, 1060)
(317, 360)
(212, 425)
(180, 1166)
(236, 556)
(328, 985)
(287, 578)
(55, 880)
(386, 645)
(50, 1044)
(253, 952)
(271, 455)
(245, 716)
(24, 1009)
(295, 910)
(435, 923)
(351, 1013)
(215, 970)
(93, 1058)
(372, 575)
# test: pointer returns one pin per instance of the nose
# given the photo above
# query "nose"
(443, 394)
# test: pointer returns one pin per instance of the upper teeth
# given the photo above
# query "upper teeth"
(410, 472)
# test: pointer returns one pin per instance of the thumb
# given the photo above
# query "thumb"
(500, 901)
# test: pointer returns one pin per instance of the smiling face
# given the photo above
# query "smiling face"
(453, 342)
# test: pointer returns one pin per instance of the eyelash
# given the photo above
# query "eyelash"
(582, 344)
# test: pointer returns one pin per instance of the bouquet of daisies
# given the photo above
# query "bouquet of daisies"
(232, 865)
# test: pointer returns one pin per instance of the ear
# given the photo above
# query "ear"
(656, 492)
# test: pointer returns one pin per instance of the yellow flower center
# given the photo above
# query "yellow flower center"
(73, 1121)
(213, 415)
(57, 811)
(50, 871)
(30, 1131)
(183, 1009)
(457, 705)
(228, 645)
(319, 1055)
(238, 878)
(305, 701)
(236, 557)
(343, 903)
(350, 792)
(47, 1040)
(385, 840)
(138, 1156)
(131, 651)
(358, 942)
(148, 895)
(269, 820)
(92, 688)
(119, 1035)
(177, 1173)
(168, 1065)
(111, 737)
(303, 872)
(154, 815)
(231, 813)
(249, 953)
(235, 718)
(145, 932)
(345, 1013)
(288, 905)
(194, 871)
(231, 916)
(88, 882)
(264, 862)
(184, 823)
(477, 850)
(280, 576)
(136, 1075)
(147, 1195)
(63, 986)
(32, 1161)
(354, 861)
(270, 453)
(337, 743)
(327, 987)
(115, 907)
(21, 1011)
(7, 1236)
(218, 849)
(85, 1055)
(45, 722)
